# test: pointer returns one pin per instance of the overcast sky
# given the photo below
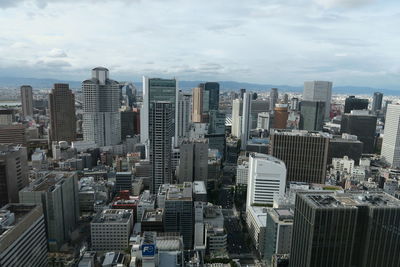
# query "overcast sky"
(350, 42)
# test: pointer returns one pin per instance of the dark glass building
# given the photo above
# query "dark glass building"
(353, 103)
(377, 102)
(312, 115)
(352, 229)
(340, 147)
(213, 90)
(128, 118)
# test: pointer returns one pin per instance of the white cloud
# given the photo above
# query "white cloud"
(57, 53)
(343, 3)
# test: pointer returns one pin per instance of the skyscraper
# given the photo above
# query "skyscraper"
(312, 115)
(391, 140)
(304, 154)
(267, 176)
(26, 100)
(101, 118)
(273, 98)
(281, 115)
(13, 172)
(237, 109)
(62, 113)
(257, 106)
(156, 89)
(345, 229)
(319, 91)
(184, 114)
(213, 94)
(377, 102)
(193, 162)
(354, 103)
(127, 123)
(363, 125)
(246, 119)
(160, 134)
(197, 115)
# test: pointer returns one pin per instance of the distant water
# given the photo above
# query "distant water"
(9, 103)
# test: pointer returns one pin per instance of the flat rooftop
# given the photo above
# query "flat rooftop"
(304, 133)
(156, 215)
(199, 187)
(180, 191)
(113, 216)
(350, 199)
(48, 182)
(266, 157)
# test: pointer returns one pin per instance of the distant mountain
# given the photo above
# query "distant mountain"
(15, 82)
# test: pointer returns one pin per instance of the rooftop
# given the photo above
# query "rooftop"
(113, 216)
(199, 187)
(304, 133)
(152, 215)
(179, 191)
(49, 182)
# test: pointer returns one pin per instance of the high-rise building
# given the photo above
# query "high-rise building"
(354, 103)
(345, 229)
(193, 163)
(264, 121)
(363, 125)
(197, 115)
(101, 118)
(319, 91)
(391, 140)
(160, 134)
(216, 124)
(22, 236)
(278, 232)
(13, 172)
(156, 89)
(345, 145)
(184, 114)
(7, 116)
(267, 176)
(257, 106)
(273, 98)
(62, 113)
(128, 117)
(246, 119)
(237, 109)
(213, 94)
(377, 102)
(13, 134)
(57, 192)
(178, 210)
(312, 115)
(281, 115)
(304, 154)
(26, 100)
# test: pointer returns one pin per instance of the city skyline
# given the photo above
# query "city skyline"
(307, 40)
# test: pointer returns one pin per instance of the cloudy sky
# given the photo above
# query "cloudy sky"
(351, 42)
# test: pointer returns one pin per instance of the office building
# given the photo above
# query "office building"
(7, 116)
(312, 115)
(184, 114)
(278, 232)
(294, 104)
(391, 140)
(179, 211)
(110, 230)
(264, 121)
(242, 173)
(345, 145)
(281, 115)
(212, 89)
(26, 100)
(246, 119)
(152, 220)
(273, 98)
(123, 181)
(256, 220)
(154, 90)
(193, 162)
(257, 106)
(57, 192)
(197, 115)
(146, 202)
(304, 154)
(216, 124)
(319, 91)
(13, 172)
(22, 236)
(62, 113)
(345, 229)
(267, 176)
(128, 118)
(237, 109)
(354, 103)
(377, 102)
(101, 118)
(160, 134)
(363, 125)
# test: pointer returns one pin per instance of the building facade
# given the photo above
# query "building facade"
(319, 91)
(312, 115)
(391, 140)
(26, 100)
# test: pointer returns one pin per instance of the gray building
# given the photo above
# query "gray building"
(57, 192)
(184, 114)
(13, 172)
(377, 102)
(319, 91)
(273, 98)
(26, 100)
(345, 229)
(179, 211)
(193, 163)
(304, 153)
(312, 115)
(257, 106)
(22, 236)
(123, 181)
(101, 118)
(246, 119)
(160, 137)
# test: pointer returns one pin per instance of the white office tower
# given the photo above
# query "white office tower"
(160, 133)
(237, 109)
(246, 119)
(101, 118)
(267, 176)
(263, 120)
(319, 91)
(391, 138)
(155, 89)
(184, 115)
